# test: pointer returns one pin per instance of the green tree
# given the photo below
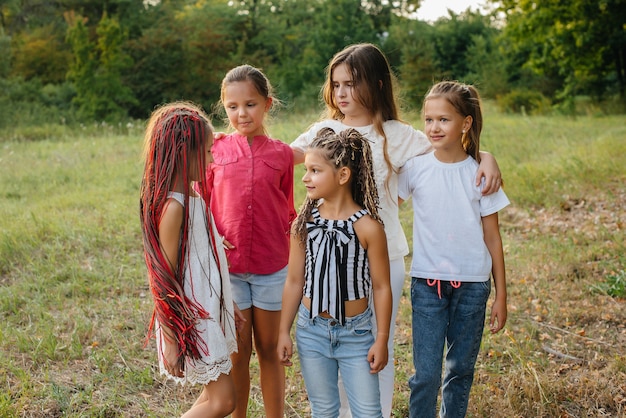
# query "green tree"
(460, 46)
(41, 53)
(210, 49)
(383, 11)
(410, 50)
(452, 37)
(97, 68)
(180, 56)
(337, 24)
(5, 54)
(486, 65)
(580, 43)
(294, 39)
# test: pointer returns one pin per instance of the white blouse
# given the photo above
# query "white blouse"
(403, 143)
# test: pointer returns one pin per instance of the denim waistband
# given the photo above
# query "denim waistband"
(351, 321)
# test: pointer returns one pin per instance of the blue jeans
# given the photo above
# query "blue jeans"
(457, 318)
(324, 348)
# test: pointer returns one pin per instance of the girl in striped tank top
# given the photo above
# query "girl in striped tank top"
(338, 261)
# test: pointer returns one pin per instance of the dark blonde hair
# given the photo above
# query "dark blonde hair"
(466, 101)
(373, 83)
(344, 149)
(252, 74)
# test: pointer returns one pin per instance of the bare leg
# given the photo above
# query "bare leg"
(217, 400)
(272, 372)
(241, 366)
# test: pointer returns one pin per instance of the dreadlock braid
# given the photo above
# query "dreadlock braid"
(174, 146)
(345, 149)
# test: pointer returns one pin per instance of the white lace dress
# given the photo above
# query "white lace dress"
(209, 286)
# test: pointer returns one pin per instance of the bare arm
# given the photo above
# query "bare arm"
(489, 169)
(292, 295)
(373, 237)
(298, 156)
(169, 236)
(493, 240)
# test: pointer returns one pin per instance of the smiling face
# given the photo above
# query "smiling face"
(245, 107)
(444, 126)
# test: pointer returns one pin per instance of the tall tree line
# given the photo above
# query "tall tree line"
(112, 59)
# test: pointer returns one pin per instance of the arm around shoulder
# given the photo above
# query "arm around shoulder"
(489, 169)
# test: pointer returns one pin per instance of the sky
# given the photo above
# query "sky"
(431, 10)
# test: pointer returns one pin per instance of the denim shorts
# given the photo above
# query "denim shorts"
(264, 291)
(324, 348)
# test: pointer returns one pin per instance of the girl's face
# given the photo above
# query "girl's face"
(345, 93)
(321, 178)
(245, 108)
(444, 127)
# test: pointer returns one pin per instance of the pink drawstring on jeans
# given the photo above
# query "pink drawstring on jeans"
(432, 282)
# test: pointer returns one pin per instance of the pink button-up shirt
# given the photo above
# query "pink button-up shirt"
(251, 196)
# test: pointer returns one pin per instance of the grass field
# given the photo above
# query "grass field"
(74, 301)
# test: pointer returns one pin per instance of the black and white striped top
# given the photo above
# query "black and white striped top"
(336, 267)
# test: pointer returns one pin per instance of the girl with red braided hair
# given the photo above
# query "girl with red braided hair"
(194, 314)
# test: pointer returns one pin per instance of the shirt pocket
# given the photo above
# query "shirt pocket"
(270, 171)
(225, 167)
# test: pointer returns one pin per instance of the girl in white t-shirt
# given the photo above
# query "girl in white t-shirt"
(359, 94)
(456, 248)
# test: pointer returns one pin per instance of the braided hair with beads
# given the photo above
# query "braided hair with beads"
(345, 149)
(175, 149)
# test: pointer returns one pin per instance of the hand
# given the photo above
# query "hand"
(378, 356)
(218, 135)
(170, 356)
(285, 350)
(489, 170)
(498, 316)
(226, 244)
(239, 318)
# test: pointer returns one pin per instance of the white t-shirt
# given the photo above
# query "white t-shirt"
(448, 241)
(404, 142)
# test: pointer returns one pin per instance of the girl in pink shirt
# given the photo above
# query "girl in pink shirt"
(250, 192)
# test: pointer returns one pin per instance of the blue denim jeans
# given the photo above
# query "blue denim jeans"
(455, 318)
(325, 347)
